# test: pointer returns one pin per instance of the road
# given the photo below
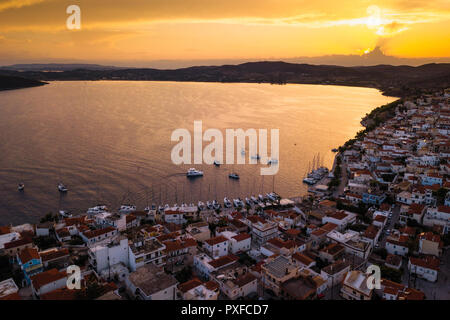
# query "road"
(389, 226)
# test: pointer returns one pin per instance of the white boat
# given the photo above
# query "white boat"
(272, 161)
(216, 163)
(65, 214)
(62, 188)
(255, 201)
(233, 176)
(216, 205)
(127, 208)
(192, 172)
(271, 197)
(21, 186)
(310, 181)
(201, 205)
(241, 203)
(227, 203)
(257, 157)
(248, 201)
(209, 205)
(150, 208)
(97, 209)
(236, 203)
(261, 198)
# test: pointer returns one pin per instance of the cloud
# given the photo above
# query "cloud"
(10, 4)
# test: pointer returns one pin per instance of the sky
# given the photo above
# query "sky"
(139, 32)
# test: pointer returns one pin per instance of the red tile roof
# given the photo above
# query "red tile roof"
(216, 240)
(28, 254)
(242, 236)
(47, 277)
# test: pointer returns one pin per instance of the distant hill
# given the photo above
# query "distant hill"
(12, 82)
(391, 80)
(57, 67)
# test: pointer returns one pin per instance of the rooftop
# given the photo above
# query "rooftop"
(151, 279)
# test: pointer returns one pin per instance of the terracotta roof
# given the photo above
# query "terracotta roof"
(191, 284)
(28, 254)
(302, 258)
(222, 261)
(211, 285)
(416, 208)
(242, 236)
(429, 262)
(277, 242)
(244, 279)
(216, 240)
(95, 233)
(394, 260)
(430, 236)
(18, 243)
(371, 232)
(54, 254)
(46, 277)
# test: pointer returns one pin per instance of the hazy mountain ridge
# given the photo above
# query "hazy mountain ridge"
(392, 80)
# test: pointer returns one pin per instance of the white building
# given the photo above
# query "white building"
(237, 242)
(146, 251)
(217, 246)
(102, 257)
(426, 268)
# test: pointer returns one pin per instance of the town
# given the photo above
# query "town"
(386, 202)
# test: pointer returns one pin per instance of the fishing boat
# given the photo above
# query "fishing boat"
(127, 208)
(62, 187)
(227, 203)
(233, 176)
(201, 205)
(65, 214)
(192, 172)
(21, 186)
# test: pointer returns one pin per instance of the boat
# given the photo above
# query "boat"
(201, 205)
(209, 205)
(334, 150)
(150, 208)
(227, 203)
(309, 181)
(216, 205)
(192, 172)
(216, 163)
(271, 197)
(233, 176)
(21, 186)
(127, 208)
(65, 214)
(272, 161)
(62, 188)
(243, 152)
(248, 201)
(236, 203)
(97, 209)
(255, 201)
(257, 157)
(261, 198)
(241, 203)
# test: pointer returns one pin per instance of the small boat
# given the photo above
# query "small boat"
(272, 161)
(201, 205)
(21, 186)
(62, 188)
(243, 152)
(241, 203)
(261, 198)
(216, 163)
(248, 201)
(127, 208)
(309, 181)
(227, 203)
(209, 205)
(271, 197)
(255, 201)
(236, 203)
(233, 176)
(257, 157)
(97, 209)
(192, 172)
(334, 150)
(65, 214)
(216, 205)
(160, 208)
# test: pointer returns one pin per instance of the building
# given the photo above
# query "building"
(426, 268)
(393, 261)
(92, 237)
(301, 288)
(302, 260)
(332, 252)
(103, 257)
(58, 258)
(30, 262)
(205, 265)
(397, 244)
(9, 290)
(354, 286)
(238, 286)
(277, 271)
(352, 242)
(430, 243)
(180, 251)
(174, 216)
(47, 281)
(438, 216)
(14, 247)
(335, 272)
(197, 290)
(199, 231)
(217, 247)
(262, 230)
(146, 251)
(395, 291)
(150, 282)
(237, 242)
(340, 218)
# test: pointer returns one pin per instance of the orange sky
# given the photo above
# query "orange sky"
(145, 30)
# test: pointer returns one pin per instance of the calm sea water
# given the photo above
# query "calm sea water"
(109, 142)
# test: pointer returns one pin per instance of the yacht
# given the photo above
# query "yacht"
(255, 201)
(236, 203)
(227, 203)
(216, 163)
(248, 201)
(233, 176)
(192, 172)
(127, 208)
(310, 181)
(97, 209)
(201, 205)
(271, 197)
(209, 205)
(241, 203)
(65, 214)
(62, 188)
(216, 205)
(261, 198)
(21, 186)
